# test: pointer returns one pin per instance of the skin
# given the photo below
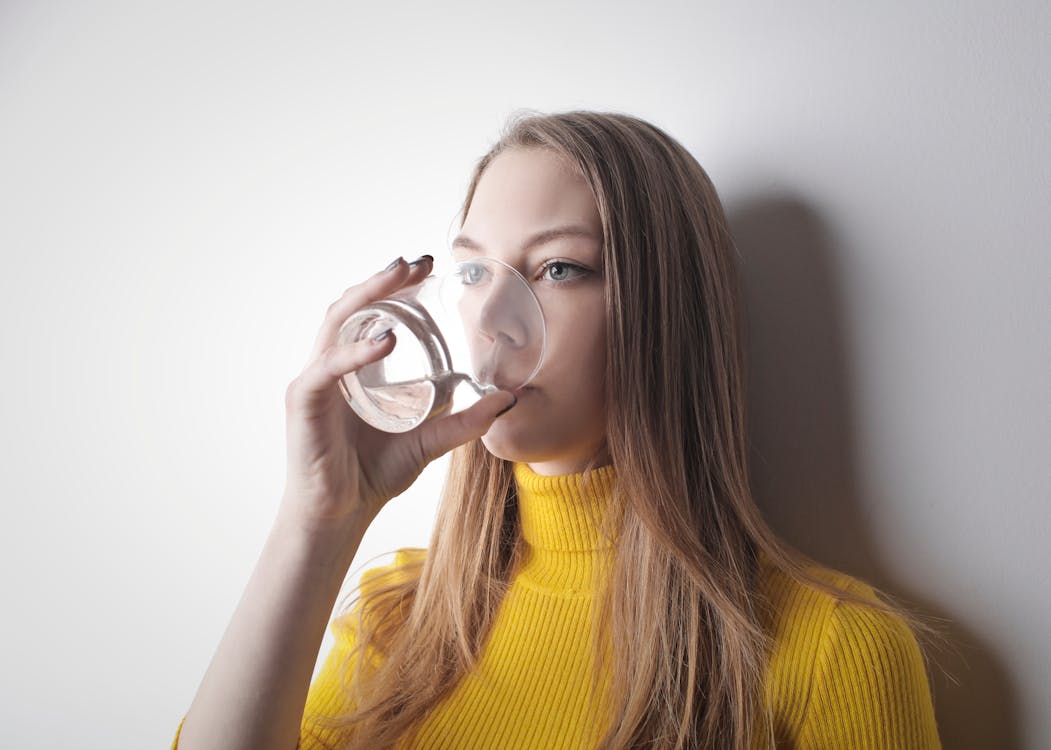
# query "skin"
(341, 472)
(558, 424)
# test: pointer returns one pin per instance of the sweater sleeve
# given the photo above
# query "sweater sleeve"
(329, 695)
(870, 689)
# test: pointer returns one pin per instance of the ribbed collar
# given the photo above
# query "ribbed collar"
(561, 519)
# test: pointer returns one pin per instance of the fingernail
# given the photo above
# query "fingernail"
(428, 258)
(393, 265)
(508, 407)
(380, 336)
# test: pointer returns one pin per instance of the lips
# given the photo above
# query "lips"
(517, 391)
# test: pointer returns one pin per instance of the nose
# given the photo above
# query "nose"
(499, 314)
(505, 325)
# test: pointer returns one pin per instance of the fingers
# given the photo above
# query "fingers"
(336, 361)
(442, 435)
(395, 276)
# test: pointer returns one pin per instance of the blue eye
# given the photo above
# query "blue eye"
(471, 273)
(562, 271)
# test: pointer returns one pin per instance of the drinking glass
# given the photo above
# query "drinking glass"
(458, 336)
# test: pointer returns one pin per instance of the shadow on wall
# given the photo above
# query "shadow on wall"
(802, 446)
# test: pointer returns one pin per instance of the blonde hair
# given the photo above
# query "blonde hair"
(684, 589)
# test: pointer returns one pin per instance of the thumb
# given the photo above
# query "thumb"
(444, 434)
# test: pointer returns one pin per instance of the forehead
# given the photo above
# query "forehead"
(525, 189)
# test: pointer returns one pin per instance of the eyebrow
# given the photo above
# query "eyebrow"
(537, 239)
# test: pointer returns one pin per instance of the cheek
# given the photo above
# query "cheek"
(573, 382)
(568, 416)
(580, 370)
(576, 350)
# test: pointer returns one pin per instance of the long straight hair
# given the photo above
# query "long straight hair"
(683, 591)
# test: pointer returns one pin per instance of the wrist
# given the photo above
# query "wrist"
(327, 547)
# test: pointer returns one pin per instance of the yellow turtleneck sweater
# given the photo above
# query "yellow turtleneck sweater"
(840, 676)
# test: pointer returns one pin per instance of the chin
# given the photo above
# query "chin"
(501, 447)
(510, 445)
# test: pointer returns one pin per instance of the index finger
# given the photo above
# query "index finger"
(377, 287)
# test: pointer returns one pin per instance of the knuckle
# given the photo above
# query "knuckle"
(338, 360)
(329, 355)
(422, 448)
(347, 303)
(292, 392)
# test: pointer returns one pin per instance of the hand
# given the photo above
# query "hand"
(340, 468)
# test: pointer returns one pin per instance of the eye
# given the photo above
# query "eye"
(471, 273)
(563, 271)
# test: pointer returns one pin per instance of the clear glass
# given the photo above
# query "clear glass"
(459, 335)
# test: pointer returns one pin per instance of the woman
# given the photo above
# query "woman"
(598, 575)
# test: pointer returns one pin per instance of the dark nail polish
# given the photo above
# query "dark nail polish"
(508, 407)
(381, 336)
(428, 258)
(394, 264)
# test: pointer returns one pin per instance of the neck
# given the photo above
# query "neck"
(565, 544)
(572, 465)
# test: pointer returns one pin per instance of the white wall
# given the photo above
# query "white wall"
(184, 187)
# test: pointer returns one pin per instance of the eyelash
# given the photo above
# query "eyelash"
(547, 264)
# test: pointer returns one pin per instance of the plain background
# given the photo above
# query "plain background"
(185, 187)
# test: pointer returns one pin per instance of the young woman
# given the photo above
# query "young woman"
(598, 575)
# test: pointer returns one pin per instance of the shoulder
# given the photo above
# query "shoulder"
(815, 627)
(375, 580)
(405, 566)
(798, 609)
(849, 674)
(805, 615)
(797, 619)
(329, 694)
